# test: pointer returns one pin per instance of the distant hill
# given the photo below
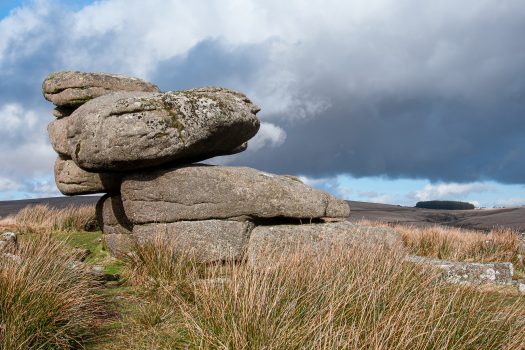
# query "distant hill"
(12, 207)
(445, 205)
(479, 219)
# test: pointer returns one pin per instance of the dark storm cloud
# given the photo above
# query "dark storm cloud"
(425, 138)
(444, 103)
(210, 62)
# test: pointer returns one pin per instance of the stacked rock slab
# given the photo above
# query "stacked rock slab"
(212, 210)
(123, 137)
(68, 91)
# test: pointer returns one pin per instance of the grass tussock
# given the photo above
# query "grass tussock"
(43, 219)
(463, 245)
(158, 265)
(450, 243)
(44, 302)
(352, 299)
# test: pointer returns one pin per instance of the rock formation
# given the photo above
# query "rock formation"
(123, 137)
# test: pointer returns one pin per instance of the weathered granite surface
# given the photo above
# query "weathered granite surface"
(205, 240)
(269, 242)
(73, 89)
(202, 192)
(71, 180)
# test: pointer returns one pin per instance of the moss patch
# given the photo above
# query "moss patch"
(172, 119)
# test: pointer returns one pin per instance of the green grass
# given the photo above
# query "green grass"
(98, 252)
(92, 241)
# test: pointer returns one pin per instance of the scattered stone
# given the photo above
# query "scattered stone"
(521, 237)
(97, 272)
(17, 259)
(8, 242)
(111, 216)
(71, 180)
(126, 131)
(76, 88)
(97, 268)
(202, 192)
(267, 242)
(469, 273)
(206, 241)
(521, 287)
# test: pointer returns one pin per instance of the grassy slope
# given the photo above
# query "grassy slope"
(154, 309)
(353, 299)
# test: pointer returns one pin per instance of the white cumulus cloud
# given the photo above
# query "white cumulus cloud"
(449, 191)
(13, 117)
(510, 202)
(269, 135)
(7, 184)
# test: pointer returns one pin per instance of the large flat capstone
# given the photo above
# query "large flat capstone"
(206, 241)
(130, 130)
(269, 242)
(76, 88)
(71, 180)
(201, 192)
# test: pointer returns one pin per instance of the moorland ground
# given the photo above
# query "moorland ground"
(353, 299)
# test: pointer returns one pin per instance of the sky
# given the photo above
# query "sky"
(390, 101)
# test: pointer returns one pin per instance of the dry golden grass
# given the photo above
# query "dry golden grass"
(7, 223)
(458, 244)
(44, 302)
(450, 243)
(41, 218)
(352, 299)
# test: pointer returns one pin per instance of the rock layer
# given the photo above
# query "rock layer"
(76, 88)
(202, 192)
(8, 243)
(71, 180)
(126, 131)
(206, 240)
